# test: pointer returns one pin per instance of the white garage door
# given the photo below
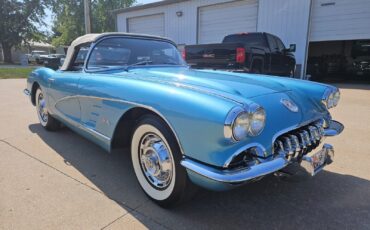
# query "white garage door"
(340, 20)
(216, 21)
(151, 24)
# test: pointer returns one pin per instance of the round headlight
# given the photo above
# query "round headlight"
(257, 121)
(241, 126)
(249, 123)
(336, 98)
(331, 98)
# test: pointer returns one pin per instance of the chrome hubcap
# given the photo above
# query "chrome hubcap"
(43, 113)
(156, 161)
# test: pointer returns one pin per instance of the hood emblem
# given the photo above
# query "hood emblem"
(289, 105)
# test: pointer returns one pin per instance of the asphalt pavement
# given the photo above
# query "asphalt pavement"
(59, 180)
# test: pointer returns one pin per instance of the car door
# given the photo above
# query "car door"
(99, 111)
(63, 90)
(275, 57)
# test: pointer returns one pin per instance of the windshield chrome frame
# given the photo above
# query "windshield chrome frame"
(95, 43)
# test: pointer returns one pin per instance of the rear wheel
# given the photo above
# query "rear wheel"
(156, 160)
(47, 121)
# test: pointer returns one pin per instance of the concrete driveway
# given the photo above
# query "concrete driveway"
(62, 181)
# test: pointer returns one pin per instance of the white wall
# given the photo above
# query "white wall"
(340, 20)
(286, 18)
(289, 20)
(182, 30)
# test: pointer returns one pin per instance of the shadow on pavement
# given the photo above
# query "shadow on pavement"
(328, 201)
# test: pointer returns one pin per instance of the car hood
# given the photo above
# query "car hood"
(226, 84)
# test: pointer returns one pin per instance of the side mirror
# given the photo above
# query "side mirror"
(292, 48)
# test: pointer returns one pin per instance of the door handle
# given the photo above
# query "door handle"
(51, 80)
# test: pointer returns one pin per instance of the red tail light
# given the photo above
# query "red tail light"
(183, 54)
(240, 55)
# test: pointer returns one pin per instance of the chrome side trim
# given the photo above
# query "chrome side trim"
(193, 88)
(335, 128)
(124, 102)
(94, 132)
(237, 176)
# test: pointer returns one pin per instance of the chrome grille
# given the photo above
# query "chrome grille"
(299, 142)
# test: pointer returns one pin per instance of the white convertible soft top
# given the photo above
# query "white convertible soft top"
(90, 38)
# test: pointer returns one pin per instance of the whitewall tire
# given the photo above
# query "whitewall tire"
(47, 121)
(156, 161)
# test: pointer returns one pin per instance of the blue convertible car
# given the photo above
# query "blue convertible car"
(211, 128)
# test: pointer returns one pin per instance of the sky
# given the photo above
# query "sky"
(48, 17)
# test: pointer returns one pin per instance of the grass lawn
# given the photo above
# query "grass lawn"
(21, 72)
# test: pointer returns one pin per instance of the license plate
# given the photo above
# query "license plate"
(318, 159)
(316, 162)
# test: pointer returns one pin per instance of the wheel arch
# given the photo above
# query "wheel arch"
(124, 129)
(35, 86)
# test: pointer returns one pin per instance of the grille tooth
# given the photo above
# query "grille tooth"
(303, 140)
(295, 144)
(320, 129)
(280, 146)
(313, 137)
(307, 137)
(288, 145)
(315, 132)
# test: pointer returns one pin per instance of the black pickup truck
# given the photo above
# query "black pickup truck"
(246, 52)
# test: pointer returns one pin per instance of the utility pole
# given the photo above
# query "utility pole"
(87, 16)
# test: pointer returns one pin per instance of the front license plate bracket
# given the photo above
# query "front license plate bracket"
(317, 161)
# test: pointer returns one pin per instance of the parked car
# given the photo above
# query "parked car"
(360, 53)
(216, 129)
(54, 61)
(246, 52)
(360, 67)
(37, 56)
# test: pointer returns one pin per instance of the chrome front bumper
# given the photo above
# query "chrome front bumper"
(239, 176)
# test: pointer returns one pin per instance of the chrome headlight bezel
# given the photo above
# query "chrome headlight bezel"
(253, 126)
(331, 97)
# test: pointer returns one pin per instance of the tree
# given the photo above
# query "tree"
(19, 23)
(69, 18)
(103, 18)
(68, 22)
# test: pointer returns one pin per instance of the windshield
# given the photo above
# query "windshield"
(124, 52)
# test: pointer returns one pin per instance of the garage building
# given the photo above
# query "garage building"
(324, 31)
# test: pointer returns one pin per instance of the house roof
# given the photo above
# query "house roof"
(40, 44)
(149, 5)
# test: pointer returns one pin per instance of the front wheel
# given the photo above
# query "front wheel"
(156, 160)
(47, 121)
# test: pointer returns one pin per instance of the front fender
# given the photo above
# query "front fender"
(40, 77)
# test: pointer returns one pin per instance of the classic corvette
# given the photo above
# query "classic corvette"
(214, 129)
